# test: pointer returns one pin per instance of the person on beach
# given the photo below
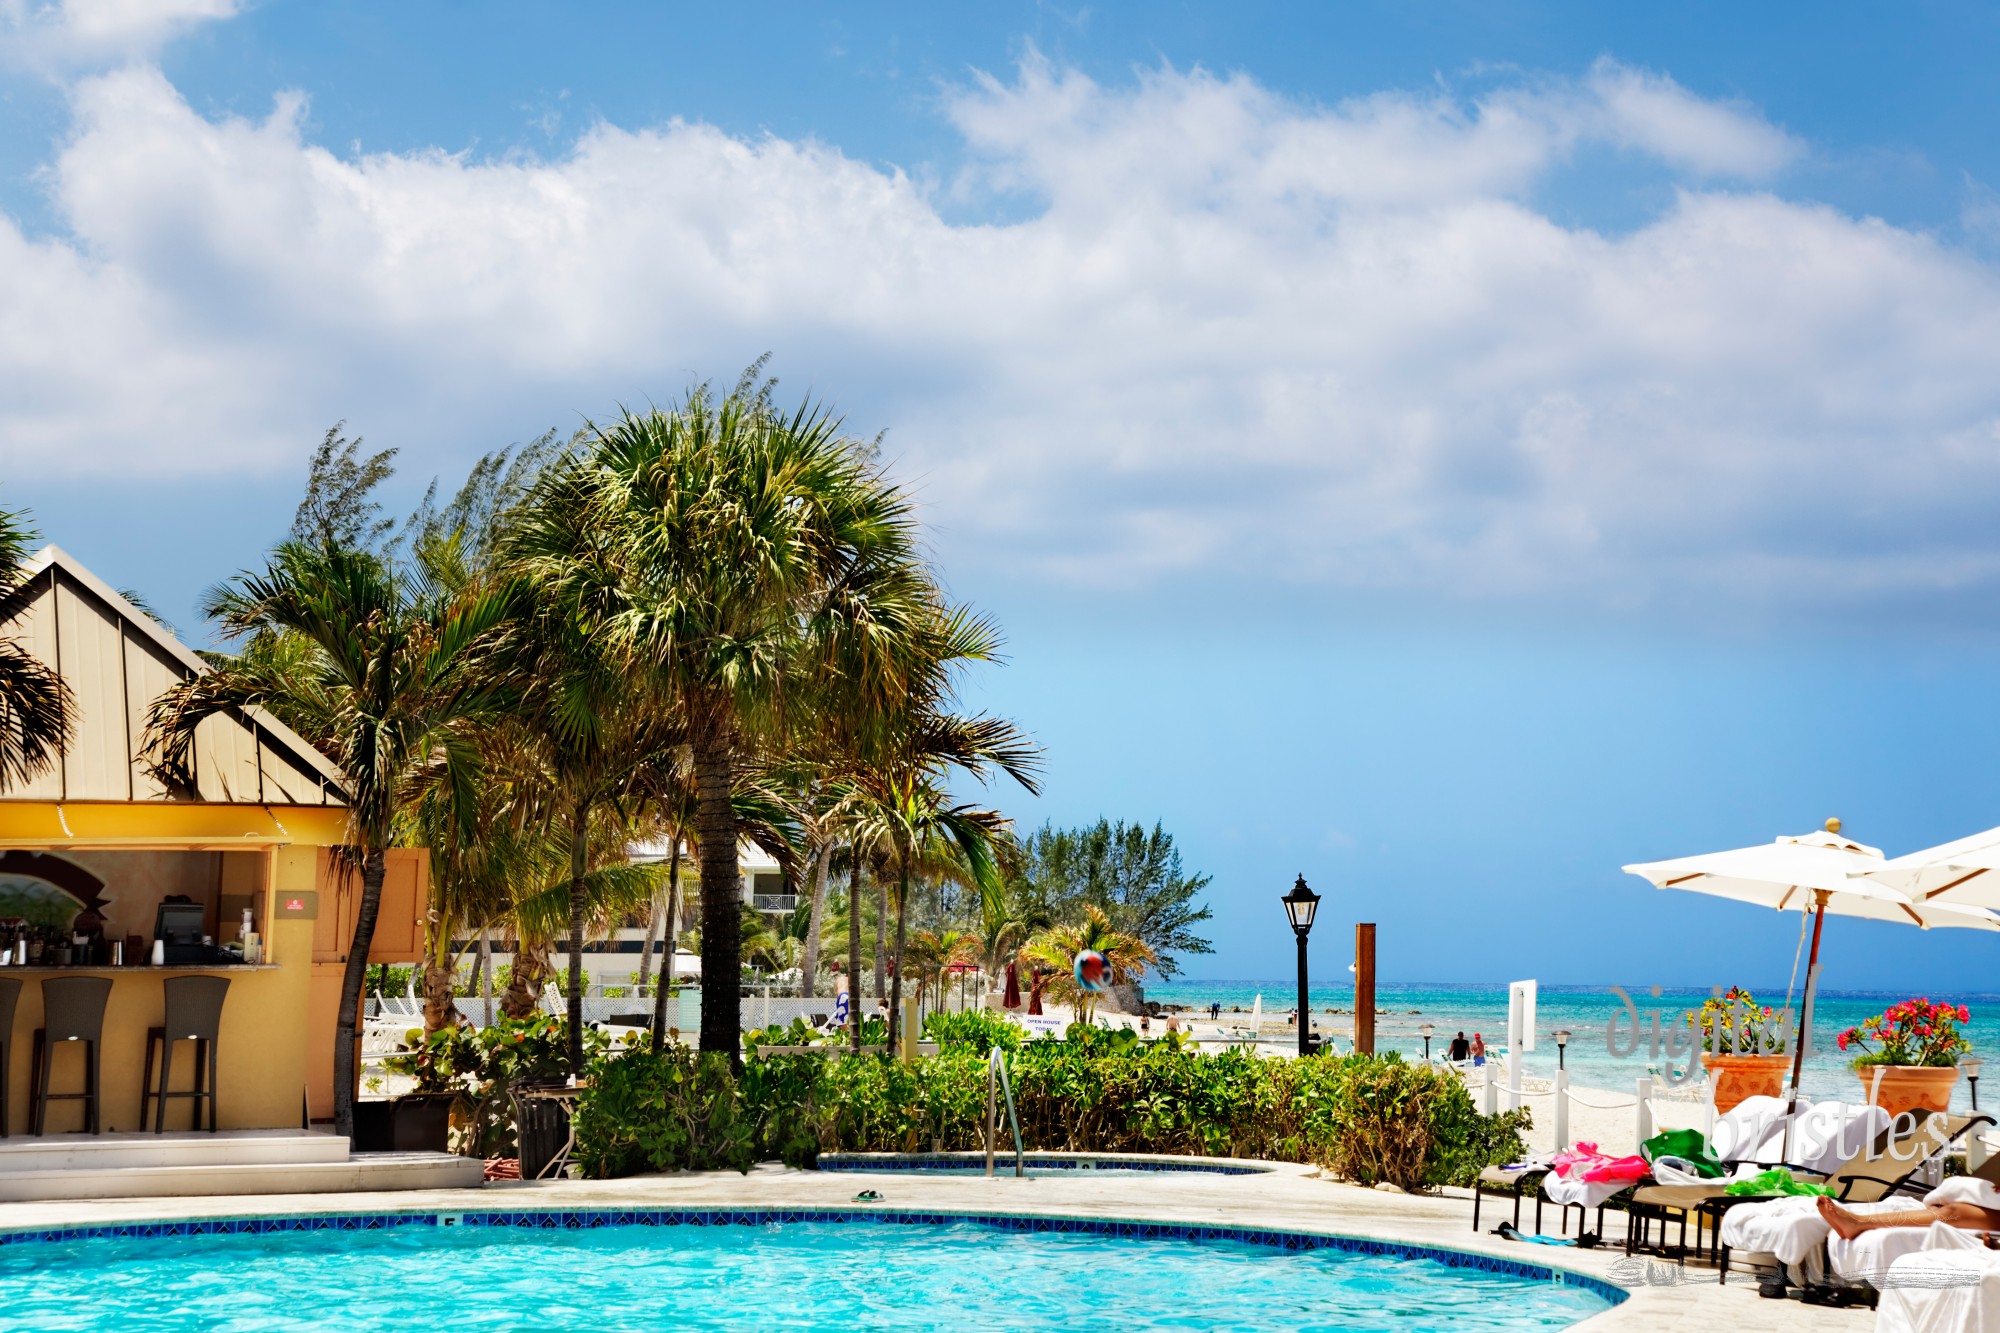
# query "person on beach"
(1461, 1050)
(1967, 1203)
(1478, 1050)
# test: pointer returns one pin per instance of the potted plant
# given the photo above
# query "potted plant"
(419, 1120)
(1909, 1054)
(1743, 1047)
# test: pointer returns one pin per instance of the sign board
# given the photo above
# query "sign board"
(301, 905)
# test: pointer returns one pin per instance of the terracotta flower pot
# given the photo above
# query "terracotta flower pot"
(1909, 1087)
(1739, 1076)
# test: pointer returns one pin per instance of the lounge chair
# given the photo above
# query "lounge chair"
(1883, 1179)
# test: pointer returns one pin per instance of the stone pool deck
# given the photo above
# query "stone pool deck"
(1664, 1297)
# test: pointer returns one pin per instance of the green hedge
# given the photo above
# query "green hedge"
(1367, 1118)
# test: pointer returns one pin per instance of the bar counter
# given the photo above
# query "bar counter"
(261, 1079)
(120, 969)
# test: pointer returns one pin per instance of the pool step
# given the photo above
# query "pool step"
(359, 1171)
(132, 1151)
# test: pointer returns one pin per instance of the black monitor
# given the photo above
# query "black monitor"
(180, 923)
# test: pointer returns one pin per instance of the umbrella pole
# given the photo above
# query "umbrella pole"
(1805, 1015)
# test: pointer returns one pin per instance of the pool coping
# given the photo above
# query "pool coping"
(1160, 1163)
(576, 1219)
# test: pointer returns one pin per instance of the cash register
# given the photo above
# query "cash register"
(178, 928)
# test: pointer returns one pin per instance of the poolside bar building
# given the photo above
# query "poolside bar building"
(107, 845)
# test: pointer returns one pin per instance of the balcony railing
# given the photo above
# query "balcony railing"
(775, 902)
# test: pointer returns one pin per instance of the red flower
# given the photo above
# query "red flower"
(1964, 1014)
(1843, 1038)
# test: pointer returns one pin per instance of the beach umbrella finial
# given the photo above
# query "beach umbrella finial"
(1833, 825)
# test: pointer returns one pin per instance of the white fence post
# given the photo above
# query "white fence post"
(1644, 1122)
(1492, 1103)
(1562, 1109)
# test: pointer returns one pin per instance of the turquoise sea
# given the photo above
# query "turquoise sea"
(1597, 1055)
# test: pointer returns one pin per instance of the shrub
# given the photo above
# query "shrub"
(975, 1028)
(1367, 1118)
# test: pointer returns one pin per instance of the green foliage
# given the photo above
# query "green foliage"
(974, 1029)
(483, 1066)
(1132, 873)
(1367, 1118)
(674, 1110)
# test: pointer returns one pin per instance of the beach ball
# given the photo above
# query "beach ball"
(1092, 971)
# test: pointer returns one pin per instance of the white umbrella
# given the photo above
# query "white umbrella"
(1964, 873)
(1814, 872)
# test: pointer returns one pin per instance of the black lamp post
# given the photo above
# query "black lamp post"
(1969, 1066)
(1427, 1029)
(1300, 904)
(1562, 1036)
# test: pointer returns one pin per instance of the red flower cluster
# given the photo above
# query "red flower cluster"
(1915, 1032)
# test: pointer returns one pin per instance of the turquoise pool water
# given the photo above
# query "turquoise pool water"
(859, 1274)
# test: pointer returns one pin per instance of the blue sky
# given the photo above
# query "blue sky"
(1450, 450)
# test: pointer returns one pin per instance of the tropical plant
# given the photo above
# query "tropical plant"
(1057, 947)
(387, 673)
(1735, 1024)
(1132, 873)
(1915, 1032)
(741, 558)
(35, 705)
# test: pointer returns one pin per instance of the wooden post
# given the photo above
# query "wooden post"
(1364, 988)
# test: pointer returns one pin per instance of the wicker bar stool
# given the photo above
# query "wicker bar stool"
(193, 1013)
(72, 1010)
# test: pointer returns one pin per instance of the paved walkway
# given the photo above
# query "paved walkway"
(1290, 1198)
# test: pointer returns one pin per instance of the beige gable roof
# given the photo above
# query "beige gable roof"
(116, 660)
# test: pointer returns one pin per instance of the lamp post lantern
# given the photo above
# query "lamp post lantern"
(1969, 1066)
(1300, 905)
(1427, 1029)
(1562, 1036)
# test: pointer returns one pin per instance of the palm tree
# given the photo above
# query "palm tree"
(392, 671)
(741, 556)
(35, 705)
(1057, 947)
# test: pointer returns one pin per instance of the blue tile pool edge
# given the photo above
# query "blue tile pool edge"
(587, 1218)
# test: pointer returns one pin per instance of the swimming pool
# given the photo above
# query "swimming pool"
(648, 1269)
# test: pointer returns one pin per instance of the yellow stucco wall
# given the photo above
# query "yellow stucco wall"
(262, 1052)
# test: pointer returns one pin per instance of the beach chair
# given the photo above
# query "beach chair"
(1795, 1236)
(1500, 1182)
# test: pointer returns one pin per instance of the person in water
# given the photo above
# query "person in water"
(1478, 1050)
(1965, 1202)
(1461, 1050)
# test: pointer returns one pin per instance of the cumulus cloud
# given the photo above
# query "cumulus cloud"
(59, 35)
(1216, 331)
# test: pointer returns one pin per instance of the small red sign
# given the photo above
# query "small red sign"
(295, 904)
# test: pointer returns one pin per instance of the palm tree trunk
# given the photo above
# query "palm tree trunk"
(854, 948)
(525, 979)
(577, 851)
(346, 1025)
(896, 980)
(881, 925)
(486, 974)
(653, 915)
(721, 893)
(664, 991)
(809, 960)
(440, 1006)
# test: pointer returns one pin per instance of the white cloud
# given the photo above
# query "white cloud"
(1236, 334)
(64, 34)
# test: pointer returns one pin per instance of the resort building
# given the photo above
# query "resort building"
(115, 867)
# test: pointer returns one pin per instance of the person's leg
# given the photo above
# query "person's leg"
(1848, 1224)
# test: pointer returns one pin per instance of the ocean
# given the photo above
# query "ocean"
(1597, 1056)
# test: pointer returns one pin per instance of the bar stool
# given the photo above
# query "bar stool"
(72, 1010)
(10, 999)
(193, 1013)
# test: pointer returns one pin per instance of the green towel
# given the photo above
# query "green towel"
(1774, 1182)
(1689, 1146)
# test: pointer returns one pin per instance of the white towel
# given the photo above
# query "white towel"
(1951, 1286)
